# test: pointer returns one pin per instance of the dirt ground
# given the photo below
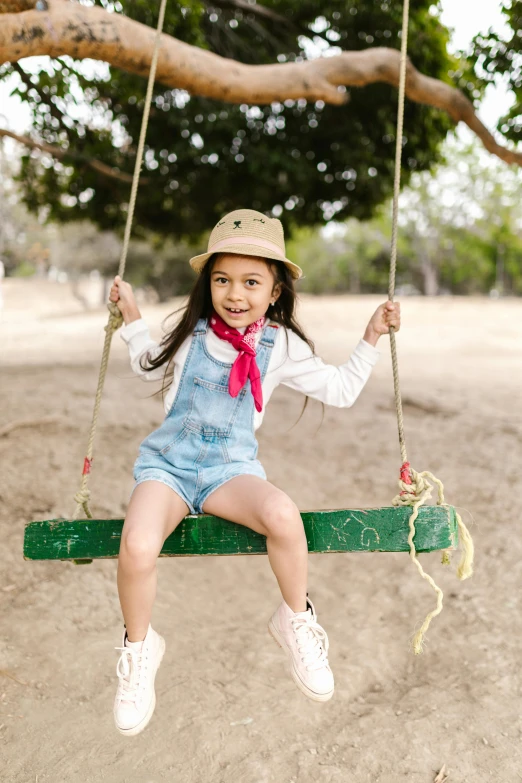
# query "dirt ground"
(228, 711)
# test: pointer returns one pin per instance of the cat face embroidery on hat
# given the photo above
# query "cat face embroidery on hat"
(248, 221)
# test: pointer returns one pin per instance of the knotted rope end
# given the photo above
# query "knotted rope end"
(414, 487)
(415, 490)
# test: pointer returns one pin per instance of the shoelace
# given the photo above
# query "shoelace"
(130, 668)
(312, 641)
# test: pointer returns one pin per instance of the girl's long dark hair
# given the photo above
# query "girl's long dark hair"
(199, 305)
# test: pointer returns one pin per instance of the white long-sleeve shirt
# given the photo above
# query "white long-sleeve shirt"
(291, 363)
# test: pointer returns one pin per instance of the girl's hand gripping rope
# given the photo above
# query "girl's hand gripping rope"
(121, 294)
(387, 315)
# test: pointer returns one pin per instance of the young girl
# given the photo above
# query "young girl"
(236, 341)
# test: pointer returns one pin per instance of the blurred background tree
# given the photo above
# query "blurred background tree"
(460, 232)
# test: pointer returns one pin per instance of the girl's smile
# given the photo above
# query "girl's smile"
(234, 311)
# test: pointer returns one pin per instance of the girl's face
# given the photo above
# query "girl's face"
(242, 288)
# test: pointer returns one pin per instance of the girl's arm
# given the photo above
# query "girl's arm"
(139, 342)
(135, 333)
(337, 386)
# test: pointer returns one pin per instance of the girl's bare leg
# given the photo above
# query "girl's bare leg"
(257, 504)
(154, 512)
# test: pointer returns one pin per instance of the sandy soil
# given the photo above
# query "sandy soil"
(227, 710)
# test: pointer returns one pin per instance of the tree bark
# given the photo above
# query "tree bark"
(78, 31)
(430, 277)
(14, 6)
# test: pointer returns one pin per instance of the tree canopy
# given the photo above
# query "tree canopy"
(306, 161)
(497, 55)
(460, 233)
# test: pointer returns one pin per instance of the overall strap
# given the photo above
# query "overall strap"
(201, 326)
(269, 335)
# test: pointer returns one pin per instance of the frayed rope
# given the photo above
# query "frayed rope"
(415, 490)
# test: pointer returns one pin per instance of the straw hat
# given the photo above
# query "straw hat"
(248, 233)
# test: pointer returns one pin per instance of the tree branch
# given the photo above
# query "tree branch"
(267, 14)
(256, 10)
(47, 99)
(82, 32)
(15, 6)
(58, 152)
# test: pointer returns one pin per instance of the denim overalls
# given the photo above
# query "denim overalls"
(207, 437)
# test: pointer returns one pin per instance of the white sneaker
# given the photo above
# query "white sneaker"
(136, 699)
(306, 644)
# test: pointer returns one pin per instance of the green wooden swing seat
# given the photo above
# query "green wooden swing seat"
(358, 530)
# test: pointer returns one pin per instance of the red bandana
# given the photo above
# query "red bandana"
(245, 365)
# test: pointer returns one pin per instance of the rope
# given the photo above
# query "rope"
(415, 487)
(395, 218)
(115, 319)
